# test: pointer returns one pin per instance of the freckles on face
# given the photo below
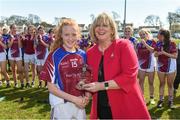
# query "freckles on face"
(69, 36)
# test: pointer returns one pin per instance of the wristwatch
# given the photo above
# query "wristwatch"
(106, 85)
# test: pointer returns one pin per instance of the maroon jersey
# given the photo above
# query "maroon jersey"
(145, 57)
(28, 44)
(65, 69)
(41, 49)
(14, 49)
(164, 62)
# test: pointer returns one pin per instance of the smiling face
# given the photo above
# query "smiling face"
(69, 36)
(128, 32)
(13, 29)
(142, 35)
(103, 29)
(31, 30)
(103, 32)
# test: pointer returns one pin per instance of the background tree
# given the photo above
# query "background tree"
(92, 17)
(115, 15)
(178, 10)
(153, 20)
(173, 17)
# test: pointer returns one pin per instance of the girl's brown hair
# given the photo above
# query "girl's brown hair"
(167, 37)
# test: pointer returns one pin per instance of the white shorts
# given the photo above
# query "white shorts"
(2, 56)
(172, 67)
(29, 58)
(152, 66)
(40, 62)
(67, 111)
(15, 58)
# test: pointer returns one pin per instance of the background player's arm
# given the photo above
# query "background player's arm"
(43, 43)
(10, 41)
(151, 49)
(171, 55)
(2, 44)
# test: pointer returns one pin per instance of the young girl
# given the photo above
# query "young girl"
(61, 73)
(29, 54)
(3, 54)
(146, 60)
(41, 47)
(128, 34)
(15, 54)
(166, 65)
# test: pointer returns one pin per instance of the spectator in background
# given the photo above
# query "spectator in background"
(1, 97)
(15, 55)
(6, 36)
(177, 79)
(166, 53)
(29, 54)
(85, 43)
(42, 44)
(3, 53)
(128, 34)
(51, 36)
(146, 59)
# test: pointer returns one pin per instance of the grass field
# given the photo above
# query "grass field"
(32, 103)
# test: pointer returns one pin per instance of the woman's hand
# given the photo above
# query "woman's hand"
(94, 87)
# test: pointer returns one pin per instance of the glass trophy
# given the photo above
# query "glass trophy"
(85, 76)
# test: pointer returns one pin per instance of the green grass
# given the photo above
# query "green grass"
(177, 41)
(165, 112)
(35, 106)
(23, 104)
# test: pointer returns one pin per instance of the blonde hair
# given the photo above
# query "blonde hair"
(58, 32)
(31, 26)
(103, 18)
(147, 32)
(130, 28)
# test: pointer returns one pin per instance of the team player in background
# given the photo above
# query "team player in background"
(51, 35)
(3, 58)
(166, 53)
(29, 54)
(146, 59)
(177, 79)
(6, 36)
(15, 55)
(85, 42)
(61, 71)
(42, 44)
(128, 34)
(1, 97)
